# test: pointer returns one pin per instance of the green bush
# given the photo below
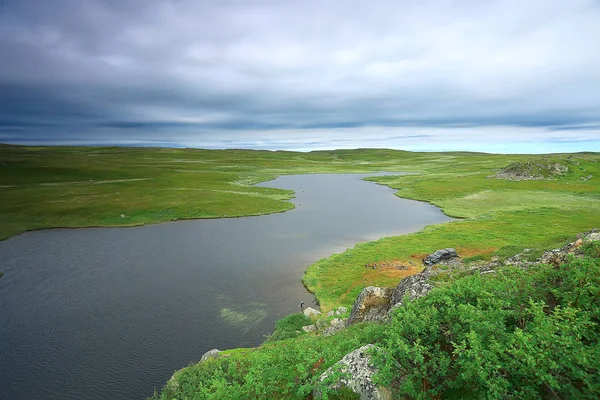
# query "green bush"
(289, 327)
(521, 334)
(516, 334)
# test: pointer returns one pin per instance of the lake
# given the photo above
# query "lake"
(105, 313)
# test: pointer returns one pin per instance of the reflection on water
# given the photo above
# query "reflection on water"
(111, 313)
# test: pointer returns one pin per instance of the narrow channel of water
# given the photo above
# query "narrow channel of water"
(111, 313)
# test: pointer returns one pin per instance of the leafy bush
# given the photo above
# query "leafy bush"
(521, 334)
(289, 327)
(516, 334)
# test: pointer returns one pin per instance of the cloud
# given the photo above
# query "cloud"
(207, 72)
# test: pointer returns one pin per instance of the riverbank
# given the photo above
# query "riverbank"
(521, 326)
(74, 187)
(499, 216)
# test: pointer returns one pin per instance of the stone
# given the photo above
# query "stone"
(412, 286)
(357, 372)
(211, 354)
(372, 304)
(311, 312)
(341, 311)
(322, 323)
(336, 325)
(331, 313)
(309, 328)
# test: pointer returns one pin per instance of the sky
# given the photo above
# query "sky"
(503, 76)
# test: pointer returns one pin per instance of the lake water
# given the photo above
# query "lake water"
(112, 312)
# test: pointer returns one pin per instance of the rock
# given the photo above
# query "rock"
(331, 313)
(311, 312)
(322, 323)
(357, 371)
(123, 215)
(309, 328)
(412, 286)
(531, 170)
(371, 305)
(341, 311)
(211, 354)
(559, 256)
(335, 326)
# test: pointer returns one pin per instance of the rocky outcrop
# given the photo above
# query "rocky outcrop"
(335, 325)
(337, 312)
(311, 312)
(355, 372)
(375, 303)
(560, 256)
(556, 256)
(531, 170)
(372, 304)
(413, 286)
(211, 354)
(309, 328)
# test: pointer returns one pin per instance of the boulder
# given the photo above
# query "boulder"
(335, 326)
(214, 353)
(309, 328)
(322, 323)
(412, 286)
(341, 311)
(311, 312)
(371, 305)
(559, 256)
(356, 371)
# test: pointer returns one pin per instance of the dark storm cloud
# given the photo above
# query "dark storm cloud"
(313, 73)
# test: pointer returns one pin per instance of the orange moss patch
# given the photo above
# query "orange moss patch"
(388, 274)
(470, 252)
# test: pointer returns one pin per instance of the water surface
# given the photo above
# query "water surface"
(111, 312)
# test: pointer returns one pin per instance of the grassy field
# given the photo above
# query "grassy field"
(45, 187)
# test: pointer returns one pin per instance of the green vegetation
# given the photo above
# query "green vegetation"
(289, 327)
(524, 334)
(497, 217)
(433, 350)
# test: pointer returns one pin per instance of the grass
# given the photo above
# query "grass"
(45, 187)
(514, 334)
(495, 215)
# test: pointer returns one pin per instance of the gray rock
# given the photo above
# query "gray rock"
(211, 354)
(560, 256)
(335, 326)
(309, 328)
(372, 304)
(341, 311)
(356, 371)
(311, 312)
(412, 286)
(331, 313)
(322, 323)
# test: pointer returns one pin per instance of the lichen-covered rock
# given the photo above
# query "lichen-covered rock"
(371, 305)
(356, 371)
(214, 353)
(322, 323)
(341, 311)
(412, 286)
(311, 312)
(309, 328)
(335, 326)
(560, 256)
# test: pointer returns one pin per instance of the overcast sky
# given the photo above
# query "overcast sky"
(498, 76)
